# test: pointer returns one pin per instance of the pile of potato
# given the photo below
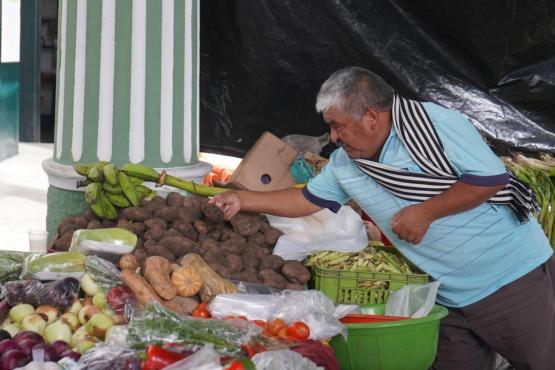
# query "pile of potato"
(240, 249)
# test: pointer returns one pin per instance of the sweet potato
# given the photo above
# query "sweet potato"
(167, 213)
(152, 223)
(140, 287)
(174, 199)
(137, 228)
(189, 214)
(213, 213)
(157, 273)
(136, 213)
(181, 305)
(154, 234)
(233, 246)
(271, 236)
(203, 226)
(296, 272)
(272, 279)
(271, 262)
(246, 224)
(234, 263)
(178, 245)
(212, 283)
(94, 224)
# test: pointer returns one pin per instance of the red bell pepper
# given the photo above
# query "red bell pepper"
(158, 358)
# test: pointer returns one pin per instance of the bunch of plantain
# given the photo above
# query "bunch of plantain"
(370, 259)
(107, 188)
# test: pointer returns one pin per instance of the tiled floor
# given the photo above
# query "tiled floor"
(23, 187)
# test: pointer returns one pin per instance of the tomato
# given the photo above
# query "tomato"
(282, 334)
(275, 326)
(235, 365)
(299, 331)
(203, 305)
(260, 323)
(201, 312)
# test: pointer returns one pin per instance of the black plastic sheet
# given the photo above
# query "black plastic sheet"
(262, 64)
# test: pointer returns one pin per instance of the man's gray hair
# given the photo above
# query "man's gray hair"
(353, 90)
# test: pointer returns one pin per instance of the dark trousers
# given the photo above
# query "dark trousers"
(517, 321)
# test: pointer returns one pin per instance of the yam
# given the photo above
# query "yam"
(174, 199)
(185, 228)
(246, 224)
(140, 287)
(136, 213)
(157, 273)
(178, 245)
(181, 305)
(203, 226)
(189, 214)
(234, 263)
(220, 270)
(248, 276)
(137, 228)
(296, 272)
(213, 213)
(154, 234)
(271, 262)
(167, 213)
(212, 283)
(140, 255)
(272, 279)
(153, 223)
(94, 224)
(271, 236)
(233, 246)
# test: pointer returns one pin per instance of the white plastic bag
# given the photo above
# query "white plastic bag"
(343, 231)
(413, 300)
(204, 359)
(284, 359)
(312, 307)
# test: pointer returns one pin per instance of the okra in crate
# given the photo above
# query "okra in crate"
(367, 277)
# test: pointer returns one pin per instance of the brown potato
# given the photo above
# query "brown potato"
(203, 226)
(90, 216)
(152, 223)
(296, 272)
(172, 232)
(257, 238)
(178, 245)
(94, 224)
(64, 242)
(194, 202)
(250, 260)
(213, 213)
(174, 199)
(185, 228)
(108, 223)
(294, 286)
(234, 263)
(246, 224)
(136, 213)
(154, 234)
(68, 228)
(272, 262)
(167, 213)
(271, 236)
(247, 276)
(189, 214)
(137, 228)
(220, 270)
(233, 246)
(209, 244)
(80, 221)
(272, 279)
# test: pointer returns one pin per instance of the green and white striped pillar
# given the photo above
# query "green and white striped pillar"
(127, 91)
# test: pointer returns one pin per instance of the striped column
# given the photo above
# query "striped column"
(127, 83)
(127, 91)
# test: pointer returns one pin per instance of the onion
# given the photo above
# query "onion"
(26, 345)
(22, 335)
(21, 311)
(13, 359)
(71, 354)
(50, 353)
(60, 346)
(7, 344)
(58, 330)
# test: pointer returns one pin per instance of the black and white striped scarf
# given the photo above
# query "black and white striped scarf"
(421, 140)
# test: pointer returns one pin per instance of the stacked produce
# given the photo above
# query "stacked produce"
(539, 175)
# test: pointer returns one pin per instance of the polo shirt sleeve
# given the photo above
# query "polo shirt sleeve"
(325, 190)
(474, 161)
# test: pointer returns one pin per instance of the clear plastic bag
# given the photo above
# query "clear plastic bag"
(252, 288)
(60, 293)
(54, 266)
(105, 356)
(159, 325)
(413, 300)
(311, 307)
(343, 231)
(285, 359)
(103, 272)
(11, 264)
(110, 243)
(205, 359)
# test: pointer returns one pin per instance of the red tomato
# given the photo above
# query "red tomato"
(275, 326)
(235, 365)
(260, 323)
(200, 312)
(298, 330)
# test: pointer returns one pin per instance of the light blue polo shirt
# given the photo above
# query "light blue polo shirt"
(473, 253)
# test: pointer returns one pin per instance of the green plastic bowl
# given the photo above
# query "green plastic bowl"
(398, 345)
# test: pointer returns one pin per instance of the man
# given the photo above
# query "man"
(425, 176)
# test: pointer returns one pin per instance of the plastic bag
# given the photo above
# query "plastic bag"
(108, 243)
(105, 356)
(205, 359)
(54, 266)
(11, 264)
(343, 231)
(117, 336)
(413, 300)
(158, 325)
(60, 293)
(311, 307)
(103, 272)
(286, 359)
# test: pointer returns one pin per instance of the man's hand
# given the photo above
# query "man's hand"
(229, 202)
(411, 223)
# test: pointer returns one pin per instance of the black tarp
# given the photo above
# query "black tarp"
(263, 61)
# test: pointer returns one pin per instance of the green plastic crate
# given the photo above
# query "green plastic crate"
(398, 345)
(344, 286)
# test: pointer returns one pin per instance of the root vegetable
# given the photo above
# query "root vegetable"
(181, 305)
(246, 224)
(174, 199)
(233, 246)
(189, 214)
(157, 273)
(271, 236)
(272, 262)
(248, 276)
(94, 224)
(153, 223)
(178, 245)
(220, 270)
(234, 263)
(167, 213)
(154, 234)
(296, 272)
(136, 213)
(213, 213)
(294, 286)
(209, 244)
(250, 260)
(128, 262)
(212, 283)
(257, 238)
(90, 216)
(63, 243)
(171, 233)
(137, 228)
(272, 279)
(140, 287)
(203, 226)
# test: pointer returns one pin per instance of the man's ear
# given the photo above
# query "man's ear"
(370, 119)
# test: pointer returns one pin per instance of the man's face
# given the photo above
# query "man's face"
(356, 136)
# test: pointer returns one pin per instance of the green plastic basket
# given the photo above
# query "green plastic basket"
(344, 286)
(395, 345)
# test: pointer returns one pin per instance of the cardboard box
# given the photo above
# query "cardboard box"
(266, 166)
